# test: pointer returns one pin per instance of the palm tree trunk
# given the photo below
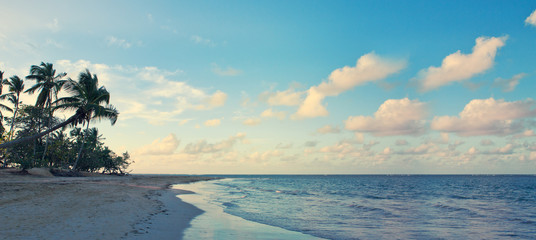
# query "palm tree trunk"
(13, 120)
(11, 133)
(46, 141)
(49, 122)
(81, 147)
(41, 134)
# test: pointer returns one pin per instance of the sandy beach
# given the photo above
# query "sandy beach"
(96, 207)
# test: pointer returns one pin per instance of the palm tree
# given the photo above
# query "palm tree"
(87, 99)
(16, 86)
(49, 83)
(2, 106)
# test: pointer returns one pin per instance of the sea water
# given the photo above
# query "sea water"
(383, 206)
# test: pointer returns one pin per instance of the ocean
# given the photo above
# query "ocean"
(382, 206)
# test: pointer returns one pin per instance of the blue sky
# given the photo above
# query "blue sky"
(299, 87)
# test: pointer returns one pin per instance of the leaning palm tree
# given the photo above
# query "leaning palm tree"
(16, 86)
(87, 100)
(49, 84)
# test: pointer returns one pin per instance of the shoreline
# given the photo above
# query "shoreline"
(96, 207)
(215, 223)
(174, 216)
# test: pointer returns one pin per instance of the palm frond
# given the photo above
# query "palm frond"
(67, 106)
(4, 96)
(34, 88)
(42, 98)
(108, 112)
(6, 108)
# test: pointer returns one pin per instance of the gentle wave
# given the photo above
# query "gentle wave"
(386, 207)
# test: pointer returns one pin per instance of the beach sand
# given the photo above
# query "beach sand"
(96, 207)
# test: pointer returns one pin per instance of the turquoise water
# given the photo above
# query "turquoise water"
(213, 223)
(384, 207)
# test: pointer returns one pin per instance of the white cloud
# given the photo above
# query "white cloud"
(387, 151)
(213, 122)
(341, 148)
(525, 134)
(346, 150)
(507, 149)
(508, 85)
(184, 121)
(458, 67)
(165, 146)
(251, 121)
(148, 93)
(369, 68)
(394, 117)
(114, 41)
(312, 105)
(328, 129)
(424, 148)
(269, 113)
(288, 97)
(217, 99)
(472, 151)
(204, 147)
(531, 19)
(487, 117)
(267, 155)
(229, 71)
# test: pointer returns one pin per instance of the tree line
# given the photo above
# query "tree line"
(32, 136)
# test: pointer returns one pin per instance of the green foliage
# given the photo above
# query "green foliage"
(61, 150)
(95, 156)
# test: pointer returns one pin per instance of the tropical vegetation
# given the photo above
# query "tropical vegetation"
(38, 138)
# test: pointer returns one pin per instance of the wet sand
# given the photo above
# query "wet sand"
(214, 223)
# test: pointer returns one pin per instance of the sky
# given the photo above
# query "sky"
(297, 87)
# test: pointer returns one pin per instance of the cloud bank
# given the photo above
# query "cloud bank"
(487, 117)
(394, 117)
(164, 146)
